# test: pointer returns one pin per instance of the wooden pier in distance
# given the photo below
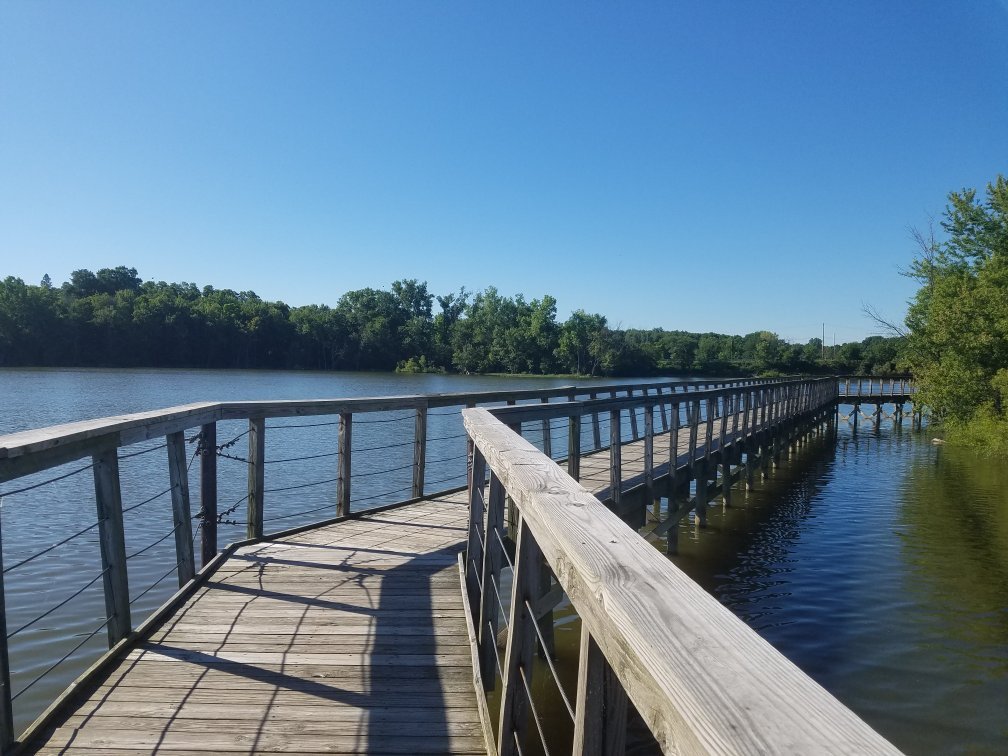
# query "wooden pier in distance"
(378, 631)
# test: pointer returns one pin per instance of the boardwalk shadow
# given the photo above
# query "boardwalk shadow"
(393, 699)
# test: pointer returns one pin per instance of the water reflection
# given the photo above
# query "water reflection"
(878, 563)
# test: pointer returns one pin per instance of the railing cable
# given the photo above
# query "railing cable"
(124, 457)
(157, 582)
(549, 659)
(162, 539)
(61, 604)
(300, 485)
(46, 482)
(66, 656)
(532, 708)
(66, 540)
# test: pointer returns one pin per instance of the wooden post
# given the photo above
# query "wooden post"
(723, 430)
(546, 436)
(574, 447)
(6, 708)
(596, 434)
(700, 473)
(726, 476)
(633, 417)
(673, 447)
(615, 456)
(649, 450)
(419, 453)
(710, 404)
(521, 642)
(493, 562)
(474, 545)
(544, 614)
(208, 492)
(108, 498)
(600, 712)
(693, 417)
(181, 515)
(344, 446)
(256, 476)
(664, 414)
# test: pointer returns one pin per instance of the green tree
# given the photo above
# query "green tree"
(958, 320)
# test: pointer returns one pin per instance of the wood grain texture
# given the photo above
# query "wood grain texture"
(701, 679)
(349, 638)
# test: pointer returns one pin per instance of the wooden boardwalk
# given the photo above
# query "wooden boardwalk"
(349, 638)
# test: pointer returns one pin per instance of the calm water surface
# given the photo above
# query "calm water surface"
(877, 563)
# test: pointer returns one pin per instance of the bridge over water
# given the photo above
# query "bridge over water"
(425, 625)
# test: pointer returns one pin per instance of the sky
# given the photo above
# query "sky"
(704, 166)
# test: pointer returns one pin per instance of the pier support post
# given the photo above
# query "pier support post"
(6, 708)
(615, 458)
(111, 539)
(419, 451)
(700, 474)
(343, 446)
(181, 514)
(601, 704)
(208, 492)
(256, 476)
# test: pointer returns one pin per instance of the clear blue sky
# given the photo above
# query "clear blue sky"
(704, 166)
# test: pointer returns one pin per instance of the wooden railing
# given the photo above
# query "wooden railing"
(878, 387)
(702, 681)
(99, 441)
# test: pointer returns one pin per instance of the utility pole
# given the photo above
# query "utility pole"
(823, 343)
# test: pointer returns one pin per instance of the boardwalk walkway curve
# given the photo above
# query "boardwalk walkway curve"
(352, 635)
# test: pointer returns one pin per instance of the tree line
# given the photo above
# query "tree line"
(957, 324)
(113, 318)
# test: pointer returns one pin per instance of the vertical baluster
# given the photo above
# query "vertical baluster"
(108, 498)
(601, 704)
(649, 450)
(574, 446)
(546, 433)
(256, 476)
(664, 413)
(724, 451)
(179, 477)
(596, 433)
(693, 418)
(208, 492)
(474, 544)
(723, 431)
(521, 641)
(6, 708)
(615, 456)
(493, 562)
(674, 443)
(710, 405)
(419, 451)
(344, 445)
(633, 417)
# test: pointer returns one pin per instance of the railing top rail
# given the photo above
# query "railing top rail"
(144, 425)
(529, 412)
(701, 679)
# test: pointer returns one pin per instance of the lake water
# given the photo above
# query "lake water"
(878, 563)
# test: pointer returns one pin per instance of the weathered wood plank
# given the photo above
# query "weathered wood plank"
(179, 476)
(256, 476)
(660, 630)
(108, 498)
